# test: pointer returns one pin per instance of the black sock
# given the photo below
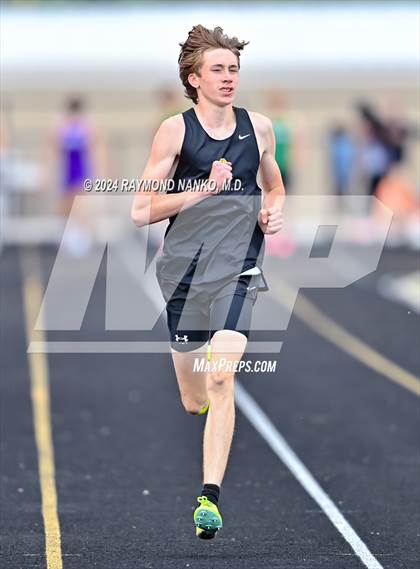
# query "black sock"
(211, 492)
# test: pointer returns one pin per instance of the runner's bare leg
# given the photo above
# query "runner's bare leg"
(192, 384)
(218, 433)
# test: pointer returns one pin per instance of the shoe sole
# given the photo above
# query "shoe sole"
(203, 534)
(207, 524)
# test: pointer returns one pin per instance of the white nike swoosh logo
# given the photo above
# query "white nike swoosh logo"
(244, 136)
(251, 288)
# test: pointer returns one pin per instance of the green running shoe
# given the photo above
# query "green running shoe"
(207, 519)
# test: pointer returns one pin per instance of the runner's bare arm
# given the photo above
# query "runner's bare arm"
(151, 207)
(270, 217)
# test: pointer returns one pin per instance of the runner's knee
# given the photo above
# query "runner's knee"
(228, 342)
(220, 380)
(191, 405)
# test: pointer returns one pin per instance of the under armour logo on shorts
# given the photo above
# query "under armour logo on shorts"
(181, 339)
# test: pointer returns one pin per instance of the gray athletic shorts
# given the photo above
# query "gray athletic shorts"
(194, 314)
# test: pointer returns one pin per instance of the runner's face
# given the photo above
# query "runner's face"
(219, 76)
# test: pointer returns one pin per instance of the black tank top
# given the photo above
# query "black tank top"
(218, 237)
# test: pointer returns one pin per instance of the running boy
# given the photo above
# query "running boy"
(210, 269)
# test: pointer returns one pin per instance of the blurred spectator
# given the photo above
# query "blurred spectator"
(75, 157)
(397, 191)
(287, 140)
(282, 134)
(385, 142)
(375, 155)
(398, 132)
(72, 145)
(342, 157)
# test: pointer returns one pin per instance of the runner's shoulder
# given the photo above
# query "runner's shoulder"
(260, 122)
(173, 124)
(172, 130)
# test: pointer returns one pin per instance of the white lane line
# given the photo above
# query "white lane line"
(403, 289)
(278, 444)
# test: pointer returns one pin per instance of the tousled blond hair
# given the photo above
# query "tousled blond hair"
(201, 39)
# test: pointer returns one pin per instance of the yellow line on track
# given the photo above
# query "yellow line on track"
(38, 368)
(323, 325)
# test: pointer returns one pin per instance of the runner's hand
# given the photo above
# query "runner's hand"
(220, 173)
(270, 220)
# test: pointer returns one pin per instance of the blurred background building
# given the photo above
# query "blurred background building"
(340, 80)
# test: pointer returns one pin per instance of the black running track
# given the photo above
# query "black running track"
(128, 459)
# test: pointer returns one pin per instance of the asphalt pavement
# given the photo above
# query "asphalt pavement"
(128, 458)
